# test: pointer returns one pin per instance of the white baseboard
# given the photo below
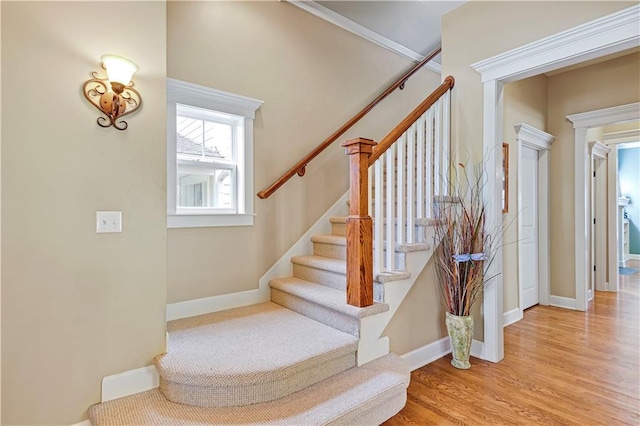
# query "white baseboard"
(477, 349)
(511, 317)
(83, 423)
(191, 308)
(562, 302)
(282, 268)
(434, 351)
(633, 257)
(427, 354)
(129, 383)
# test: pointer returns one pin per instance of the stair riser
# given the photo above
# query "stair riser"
(339, 229)
(231, 396)
(320, 313)
(334, 251)
(330, 279)
(377, 412)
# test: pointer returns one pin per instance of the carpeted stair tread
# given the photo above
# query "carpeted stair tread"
(327, 296)
(411, 247)
(339, 240)
(387, 277)
(365, 395)
(338, 219)
(324, 263)
(211, 359)
(339, 266)
(220, 347)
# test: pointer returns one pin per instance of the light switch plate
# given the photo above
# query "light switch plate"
(108, 222)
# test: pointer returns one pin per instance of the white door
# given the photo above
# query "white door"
(529, 227)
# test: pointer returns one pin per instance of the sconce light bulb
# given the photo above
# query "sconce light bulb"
(120, 70)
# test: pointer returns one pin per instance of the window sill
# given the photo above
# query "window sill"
(208, 220)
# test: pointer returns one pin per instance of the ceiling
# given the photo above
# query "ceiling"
(410, 28)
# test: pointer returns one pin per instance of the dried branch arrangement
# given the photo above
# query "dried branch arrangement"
(466, 245)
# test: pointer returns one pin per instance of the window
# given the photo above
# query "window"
(209, 156)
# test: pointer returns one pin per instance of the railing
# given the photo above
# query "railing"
(406, 168)
(300, 167)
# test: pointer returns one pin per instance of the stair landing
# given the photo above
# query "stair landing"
(365, 396)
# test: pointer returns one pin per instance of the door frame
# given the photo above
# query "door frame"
(609, 34)
(582, 122)
(613, 213)
(533, 138)
(599, 154)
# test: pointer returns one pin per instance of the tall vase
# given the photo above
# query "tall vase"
(460, 330)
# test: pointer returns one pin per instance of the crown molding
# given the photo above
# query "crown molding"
(599, 150)
(622, 137)
(610, 34)
(601, 117)
(347, 24)
(533, 137)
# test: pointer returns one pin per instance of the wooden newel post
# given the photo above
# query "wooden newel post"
(359, 225)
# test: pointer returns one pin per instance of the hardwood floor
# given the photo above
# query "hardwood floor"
(561, 367)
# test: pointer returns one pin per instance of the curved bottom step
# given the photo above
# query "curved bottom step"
(366, 395)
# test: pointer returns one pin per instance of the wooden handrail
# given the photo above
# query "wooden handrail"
(393, 136)
(300, 167)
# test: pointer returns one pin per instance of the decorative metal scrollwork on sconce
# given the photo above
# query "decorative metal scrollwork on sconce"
(121, 98)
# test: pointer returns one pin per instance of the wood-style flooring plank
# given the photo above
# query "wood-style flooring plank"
(561, 367)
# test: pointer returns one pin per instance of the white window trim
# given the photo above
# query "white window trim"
(199, 96)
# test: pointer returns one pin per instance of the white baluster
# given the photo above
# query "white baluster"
(439, 171)
(411, 153)
(446, 140)
(400, 185)
(430, 163)
(378, 219)
(390, 200)
(420, 165)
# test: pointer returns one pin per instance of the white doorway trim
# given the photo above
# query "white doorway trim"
(614, 212)
(598, 202)
(610, 34)
(533, 138)
(581, 123)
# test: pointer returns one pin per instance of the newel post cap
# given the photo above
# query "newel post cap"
(359, 145)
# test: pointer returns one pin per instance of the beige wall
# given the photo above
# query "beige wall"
(479, 30)
(420, 318)
(312, 77)
(525, 101)
(602, 85)
(78, 306)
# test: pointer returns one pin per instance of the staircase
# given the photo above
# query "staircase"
(307, 356)
(293, 360)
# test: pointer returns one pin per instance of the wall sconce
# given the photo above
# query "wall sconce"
(119, 100)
